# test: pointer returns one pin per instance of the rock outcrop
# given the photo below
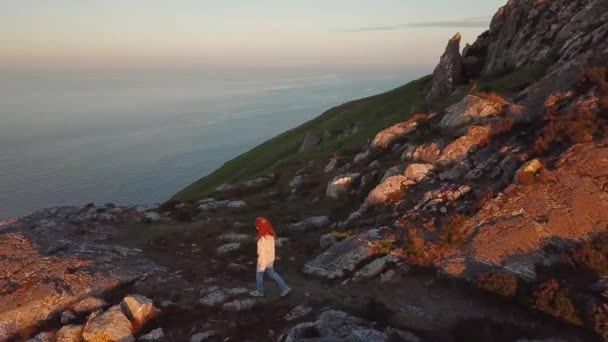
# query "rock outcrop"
(449, 73)
(470, 109)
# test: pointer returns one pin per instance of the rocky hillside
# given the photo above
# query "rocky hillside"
(470, 205)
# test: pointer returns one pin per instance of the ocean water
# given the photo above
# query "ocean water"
(131, 137)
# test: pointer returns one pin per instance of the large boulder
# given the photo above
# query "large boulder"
(470, 109)
(139, 309)
(449, 73)
(460, 148)
(110, 326)
(387, 137)
(341, 185)
(88, 305)
(389, 190)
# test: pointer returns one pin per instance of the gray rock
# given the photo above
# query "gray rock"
(387, 276)
(296, 182)
(298, 312)
(341, 258)
(331, 165)
(111, 326)
(449, 73)
(220, 296)
(239, 305)
(236, 205)
(470, 109)
(234, 237)
(228, 248)
(327, 241)
(362, 156)
(43, 337)
(372, 269)
(310, 223)
(200, 337)
(154, 335)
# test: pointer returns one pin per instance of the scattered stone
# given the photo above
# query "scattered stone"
(228, 248)
(281, 242)
(151, 217)
(471, 108)
(428, 153)
(362, 156)
(236, 205)
(43, 337)
(327, 241)
(298, 312)
(331, 165)
(219, 296)
(214, 205)
(154, 335)
(310, 223)
(234, 237)
(296, 182)
(139, 310)
(110, 326)
(341, 185)
(239, 305)
(200, 337)
(69, 333)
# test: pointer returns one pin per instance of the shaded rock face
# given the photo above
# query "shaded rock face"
(333, 325)
(524, 31)
(63, 266)
(310, 223)
(470, 109)
(449, 73)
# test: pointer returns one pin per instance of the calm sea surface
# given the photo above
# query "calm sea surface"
(69, 138)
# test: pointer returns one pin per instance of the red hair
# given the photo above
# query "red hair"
(264, 228)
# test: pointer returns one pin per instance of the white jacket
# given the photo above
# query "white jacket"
(265, 253)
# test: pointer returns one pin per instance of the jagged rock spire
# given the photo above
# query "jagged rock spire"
(449, 73)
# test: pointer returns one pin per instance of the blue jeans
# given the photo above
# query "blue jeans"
(259, 279)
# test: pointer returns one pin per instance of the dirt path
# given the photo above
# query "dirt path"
(439, 309)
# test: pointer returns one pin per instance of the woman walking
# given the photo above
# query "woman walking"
(266, 257)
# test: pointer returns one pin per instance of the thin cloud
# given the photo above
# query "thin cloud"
(473, 22)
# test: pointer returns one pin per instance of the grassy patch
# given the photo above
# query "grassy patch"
(372, 114)
(517, 80)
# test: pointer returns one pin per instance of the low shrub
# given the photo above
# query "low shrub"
(383, 247)
(503, 284)
(551, 298)
(339, 236)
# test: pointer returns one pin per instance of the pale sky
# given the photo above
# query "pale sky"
(263, 33)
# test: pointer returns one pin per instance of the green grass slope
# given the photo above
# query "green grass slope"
(372, 114)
